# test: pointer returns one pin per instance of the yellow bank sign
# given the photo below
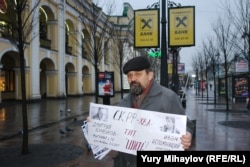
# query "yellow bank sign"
(181, 26)
(146, 28)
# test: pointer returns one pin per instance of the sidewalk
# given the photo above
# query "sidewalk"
(47, 146)
(216, 129)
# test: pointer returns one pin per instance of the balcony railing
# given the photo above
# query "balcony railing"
(45, 43)
(6, 31)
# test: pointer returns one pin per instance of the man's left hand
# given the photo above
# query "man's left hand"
(186, 140)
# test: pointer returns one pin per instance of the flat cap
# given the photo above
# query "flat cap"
(136, 64)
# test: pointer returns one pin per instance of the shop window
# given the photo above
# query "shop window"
(7, 81)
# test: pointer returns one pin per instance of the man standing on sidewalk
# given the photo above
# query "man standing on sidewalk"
(147, 94)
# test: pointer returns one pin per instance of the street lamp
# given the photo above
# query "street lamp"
(164, 57)
(175, 54)
(164, 62)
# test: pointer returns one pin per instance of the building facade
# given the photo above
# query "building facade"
(68, 41)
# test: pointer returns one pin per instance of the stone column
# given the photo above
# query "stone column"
(79, 57)
(61, 50)
(34, 56)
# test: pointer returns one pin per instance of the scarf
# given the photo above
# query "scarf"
(137, 100)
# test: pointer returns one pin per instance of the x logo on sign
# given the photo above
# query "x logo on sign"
(181, 21)
(146, 23)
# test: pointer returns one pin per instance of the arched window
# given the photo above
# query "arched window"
(43, 24)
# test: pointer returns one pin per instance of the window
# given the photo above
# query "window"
(7, 81)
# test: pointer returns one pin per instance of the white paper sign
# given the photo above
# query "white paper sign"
(128, 130)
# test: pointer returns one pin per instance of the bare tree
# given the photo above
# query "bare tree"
(201, 66)
(241, 22)
(21, 17)
(122, 35)
(213, 54)
(225, 42)
(206, 56)
(97, 33)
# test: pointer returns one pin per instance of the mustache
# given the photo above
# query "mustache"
(134, 83)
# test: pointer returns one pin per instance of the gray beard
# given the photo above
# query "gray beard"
(136, 89)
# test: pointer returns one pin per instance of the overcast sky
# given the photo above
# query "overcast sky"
(206, 14)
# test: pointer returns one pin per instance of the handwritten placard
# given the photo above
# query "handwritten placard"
(98, 152)
(128, 130)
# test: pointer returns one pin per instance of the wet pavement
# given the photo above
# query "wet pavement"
(216, 129)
